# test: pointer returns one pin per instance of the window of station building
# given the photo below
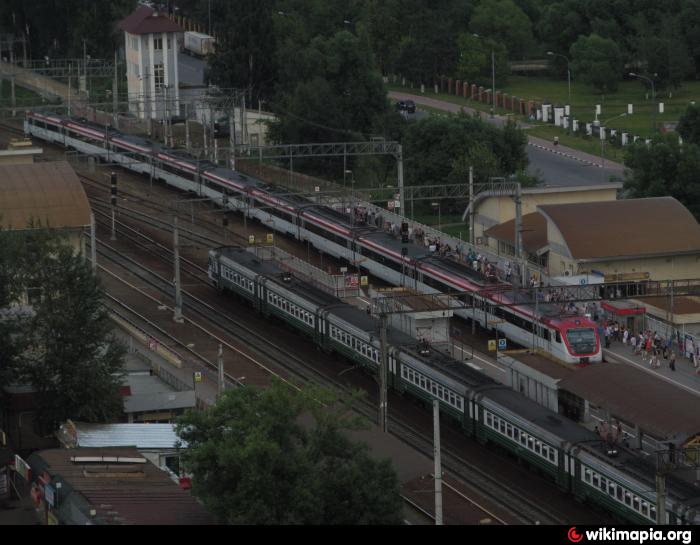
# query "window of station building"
(135, 43)
(157, 43)
(159, 75)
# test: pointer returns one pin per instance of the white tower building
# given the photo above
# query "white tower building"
(151, 46)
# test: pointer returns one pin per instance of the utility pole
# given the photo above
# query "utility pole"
(93, 242)
(438, 462)
(471, 206)
(221, 370)
(232, 136)
(115, 94)
(177, 317)
(399, 159)
(383, 366)
(519, 235)
(165, 115)
(13, 99)
(493, 75)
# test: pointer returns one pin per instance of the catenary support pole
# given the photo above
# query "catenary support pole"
(384, 364)
(93, 242)
(178, 294)
(438, 462)
(221, 383)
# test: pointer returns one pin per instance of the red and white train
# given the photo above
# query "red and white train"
(571, 339)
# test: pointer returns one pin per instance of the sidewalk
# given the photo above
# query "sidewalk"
(683, 377)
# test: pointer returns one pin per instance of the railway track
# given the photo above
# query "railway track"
(512, 501)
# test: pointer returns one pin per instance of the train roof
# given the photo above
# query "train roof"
(457, 370)
(556, 424)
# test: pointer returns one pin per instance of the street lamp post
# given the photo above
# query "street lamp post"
(568, 76)
(653, 98)
(603, 124)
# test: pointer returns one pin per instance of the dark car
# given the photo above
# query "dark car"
(222, 127)
(406, 106)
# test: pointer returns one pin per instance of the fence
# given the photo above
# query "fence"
(337, 285)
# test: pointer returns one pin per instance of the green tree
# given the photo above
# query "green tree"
(504, 22)
(689, 124)
(440, 148)
(597, 61)
(338, 92)
(665, 168)
(254, 462)
(63, 345)
(475, 64)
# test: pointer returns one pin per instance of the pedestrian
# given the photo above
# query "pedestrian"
(672, 360)
(625, 336)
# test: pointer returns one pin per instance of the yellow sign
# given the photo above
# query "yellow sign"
(270, 238)
(197, 376)
(364, 281)
(251, 239)
(492, 345)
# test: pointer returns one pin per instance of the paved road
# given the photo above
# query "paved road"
(555, 165)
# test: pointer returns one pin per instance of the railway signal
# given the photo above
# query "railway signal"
(113, 198)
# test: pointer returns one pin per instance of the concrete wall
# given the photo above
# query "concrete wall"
(659, 268)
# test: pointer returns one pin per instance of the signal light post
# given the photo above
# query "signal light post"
(113, 198)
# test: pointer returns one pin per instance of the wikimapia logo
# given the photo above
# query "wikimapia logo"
(637, 536)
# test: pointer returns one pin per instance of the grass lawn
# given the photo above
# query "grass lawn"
(23, 97)
(584, 99)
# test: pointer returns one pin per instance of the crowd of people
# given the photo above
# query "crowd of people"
(653, 347)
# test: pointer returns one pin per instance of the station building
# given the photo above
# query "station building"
(151, 49)
(49, 194)
(633, 239)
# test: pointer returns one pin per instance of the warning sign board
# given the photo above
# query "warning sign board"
(492, 345)
(270, 238)
(197, 376)
(502, 344)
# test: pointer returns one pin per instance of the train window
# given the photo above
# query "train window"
(628, 498)
(635, 503)
(433, 388)
(531, 443)
(502, 426)
(619, 492)
(645, 509)
(586, 475)
(558, 337)
(553, 455)
(596, 480)
(516, 434)
(538, 447)
(603, 484)
(652, 512)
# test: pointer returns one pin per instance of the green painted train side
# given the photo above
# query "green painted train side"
(473, 425)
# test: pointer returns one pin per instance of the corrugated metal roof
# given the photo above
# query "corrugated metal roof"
(159, 402)
(149, 497)
(625, 228)
(49, 193)
(141, 436)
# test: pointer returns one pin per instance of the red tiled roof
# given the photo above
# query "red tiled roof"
(147, 21)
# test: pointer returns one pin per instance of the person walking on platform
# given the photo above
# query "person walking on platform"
(672, 360)
(625, 336)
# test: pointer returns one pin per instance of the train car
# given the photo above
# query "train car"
(335, 232)
(578, 460)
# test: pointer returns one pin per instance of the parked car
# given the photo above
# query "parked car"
(406, 106)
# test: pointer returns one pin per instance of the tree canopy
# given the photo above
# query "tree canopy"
(597, 61)
(689, 124)
(665, 168)
(254, 460)
(441, 148)
(61, 342)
